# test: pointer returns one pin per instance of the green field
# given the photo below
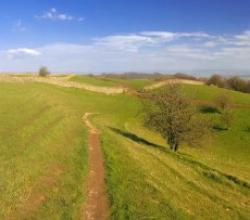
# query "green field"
(44, 157)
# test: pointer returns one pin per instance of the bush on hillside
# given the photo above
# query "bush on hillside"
(236, 84)
(223, 101)
(233, 83)
(43, 71)
(216, 80)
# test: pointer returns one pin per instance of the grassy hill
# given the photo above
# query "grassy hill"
(44, 155)
(112, 82)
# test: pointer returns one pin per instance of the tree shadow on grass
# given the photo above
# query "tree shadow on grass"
(209, 110)
(141, 140)
(247, 129)
(137, 139)
(219, 128)
(183, 157)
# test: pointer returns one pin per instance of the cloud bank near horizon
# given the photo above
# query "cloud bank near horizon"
(146, 51)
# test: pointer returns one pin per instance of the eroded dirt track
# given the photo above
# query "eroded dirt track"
(64, 82)
(171, 81)
(97, 205)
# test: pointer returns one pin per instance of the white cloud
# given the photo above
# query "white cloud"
(210, 44)
(124, 42)
(169, 36)
(21, 53)
(53, 14)
(243, 39)
(143, 51)
(194, 35)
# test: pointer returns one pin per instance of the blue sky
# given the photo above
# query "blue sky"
(197, 36)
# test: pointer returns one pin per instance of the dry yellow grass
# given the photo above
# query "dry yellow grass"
(169, 81)
(64, 82)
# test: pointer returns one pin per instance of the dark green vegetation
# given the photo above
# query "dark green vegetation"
(43, 71)
(43, 154)
(234, 83)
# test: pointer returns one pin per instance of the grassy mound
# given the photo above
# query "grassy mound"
(112, 82)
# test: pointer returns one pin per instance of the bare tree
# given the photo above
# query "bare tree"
(43, 71)
(172, 115)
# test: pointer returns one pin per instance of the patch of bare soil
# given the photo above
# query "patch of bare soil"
(97, 205)
(169, 81)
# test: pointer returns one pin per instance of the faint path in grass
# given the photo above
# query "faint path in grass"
(64, 82)
(97, 205)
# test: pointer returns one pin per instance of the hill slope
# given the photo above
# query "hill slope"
(43, 162)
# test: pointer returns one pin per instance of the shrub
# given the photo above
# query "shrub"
(237, 84)
(226, 119)
(233, 83)
(216, 80)
(43, 71)
(223, 101)
(248, 86)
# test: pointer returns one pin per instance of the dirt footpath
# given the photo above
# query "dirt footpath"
(97, 205)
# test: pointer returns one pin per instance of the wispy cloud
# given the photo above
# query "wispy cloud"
(169, 36)
(19, 26)
(243, 39)
(21, 53)
(124, 42)
(53, 14)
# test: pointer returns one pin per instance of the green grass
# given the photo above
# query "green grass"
(146, 180)
(40, 134)
(97, 81)
(43, 142)
(209, 93)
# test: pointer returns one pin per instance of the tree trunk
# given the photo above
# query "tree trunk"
(174, 147)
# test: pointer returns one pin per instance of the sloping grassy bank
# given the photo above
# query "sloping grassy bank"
(112, 82)
(146, 180)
